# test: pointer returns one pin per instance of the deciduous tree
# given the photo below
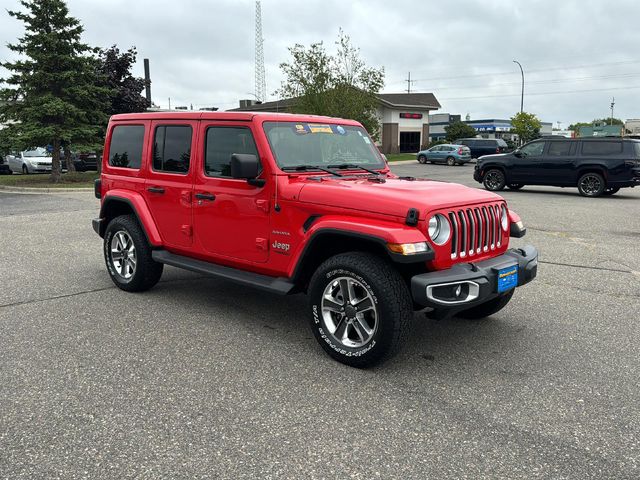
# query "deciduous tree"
(526, 126)
(339, 85)
(456, 130)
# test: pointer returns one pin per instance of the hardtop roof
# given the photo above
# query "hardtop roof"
(230, 116)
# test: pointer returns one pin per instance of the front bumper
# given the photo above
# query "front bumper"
(478, 281)
(98, 225)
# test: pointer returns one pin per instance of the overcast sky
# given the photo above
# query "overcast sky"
(576, 54)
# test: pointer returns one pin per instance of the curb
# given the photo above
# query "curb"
(402, 162)
(7, 188)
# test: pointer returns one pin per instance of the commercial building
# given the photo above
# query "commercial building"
(485, 128)
(404, 118)
(601, 130)
(632, 126)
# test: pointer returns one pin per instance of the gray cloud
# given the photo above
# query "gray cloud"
(202, 52)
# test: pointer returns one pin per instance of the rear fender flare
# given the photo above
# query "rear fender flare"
(140, 210)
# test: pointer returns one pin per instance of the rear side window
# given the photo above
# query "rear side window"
(601, 148)
(501, 143)
(221, 143)
(486, 143)
(172, 148)
(559, 148)
(125, 149)
(637, 149)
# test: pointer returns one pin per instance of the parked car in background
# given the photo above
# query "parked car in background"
(85, 161)
(484, 146)
(445, 153)
(37, 160)
(596, 166)
(4, 168)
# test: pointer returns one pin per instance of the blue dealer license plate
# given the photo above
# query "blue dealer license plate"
(507, 278)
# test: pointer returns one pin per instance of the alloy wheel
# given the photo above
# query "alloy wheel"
(122, 254)
(349, 312)
(590, 184)
(494, 180)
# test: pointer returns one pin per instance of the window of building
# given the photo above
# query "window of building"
(221, 143)
(601, 148)
(125, 149)
(559, 149)
(172, 148)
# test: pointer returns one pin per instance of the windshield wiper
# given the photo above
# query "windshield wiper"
(306, 168)
(354, 165)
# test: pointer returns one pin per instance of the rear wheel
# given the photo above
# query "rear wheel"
(451, 161)
(494, 180)
(515, 186)
(611, 191)
(361, 309)
(128, 255)
(488, 308)
(422, 159)
(591, 185)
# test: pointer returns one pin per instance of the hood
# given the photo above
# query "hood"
(393, 197)
(494, 155)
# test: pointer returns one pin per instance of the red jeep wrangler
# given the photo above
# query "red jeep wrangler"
(297, 203)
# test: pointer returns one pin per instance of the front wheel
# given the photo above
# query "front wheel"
(591, 185)
(494, 180)
(361, 309)
(422, 159)
(25, 170)
(487, 309)
(128, 255)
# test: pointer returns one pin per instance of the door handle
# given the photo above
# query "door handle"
(155, 190)
(205, 196)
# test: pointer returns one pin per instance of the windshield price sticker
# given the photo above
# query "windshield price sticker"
(304, 128)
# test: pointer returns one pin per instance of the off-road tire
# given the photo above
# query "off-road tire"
(494, 180)
(451, 161)
(147, 272)
(515, 186)
(487, 309)
(422, 159)
(591, 185)
(390, 296)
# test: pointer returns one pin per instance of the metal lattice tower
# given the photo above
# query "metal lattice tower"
(261, 82)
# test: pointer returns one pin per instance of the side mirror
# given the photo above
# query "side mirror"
(518, 153)
(246, 166)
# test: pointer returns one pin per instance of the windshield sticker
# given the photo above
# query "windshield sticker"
(340, 130)
(320, 128)
(301, 129)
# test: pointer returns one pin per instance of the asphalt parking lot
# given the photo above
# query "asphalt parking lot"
(199, 379)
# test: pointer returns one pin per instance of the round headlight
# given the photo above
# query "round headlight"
(504, 218)
(439, 229)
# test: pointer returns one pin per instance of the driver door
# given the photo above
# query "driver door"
(527, 168)
(231, 217)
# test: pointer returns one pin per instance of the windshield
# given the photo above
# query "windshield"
(314, 144)
(38, 152)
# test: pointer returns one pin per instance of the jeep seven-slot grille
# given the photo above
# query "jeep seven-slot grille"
(475, 230)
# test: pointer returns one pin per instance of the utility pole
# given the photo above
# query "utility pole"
(613, 102)
(522, 95)
(147, 81)
(409, 82)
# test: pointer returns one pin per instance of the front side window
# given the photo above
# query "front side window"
(558, 149)
(533, 149)
(601, 148)
(172, 148)
(300, 144)
(125, 149)
(221, 143)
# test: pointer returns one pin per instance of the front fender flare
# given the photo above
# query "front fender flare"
(379, 231)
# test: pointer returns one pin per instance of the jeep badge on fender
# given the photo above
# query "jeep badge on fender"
(295, 203)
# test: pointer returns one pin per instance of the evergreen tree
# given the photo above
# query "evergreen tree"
(53, 96)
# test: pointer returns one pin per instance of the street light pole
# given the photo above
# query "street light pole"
(522, 95)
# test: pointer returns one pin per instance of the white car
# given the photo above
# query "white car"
(30, 161)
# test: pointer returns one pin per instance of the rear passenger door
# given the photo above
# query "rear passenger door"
(168, 188)
(557, 164)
